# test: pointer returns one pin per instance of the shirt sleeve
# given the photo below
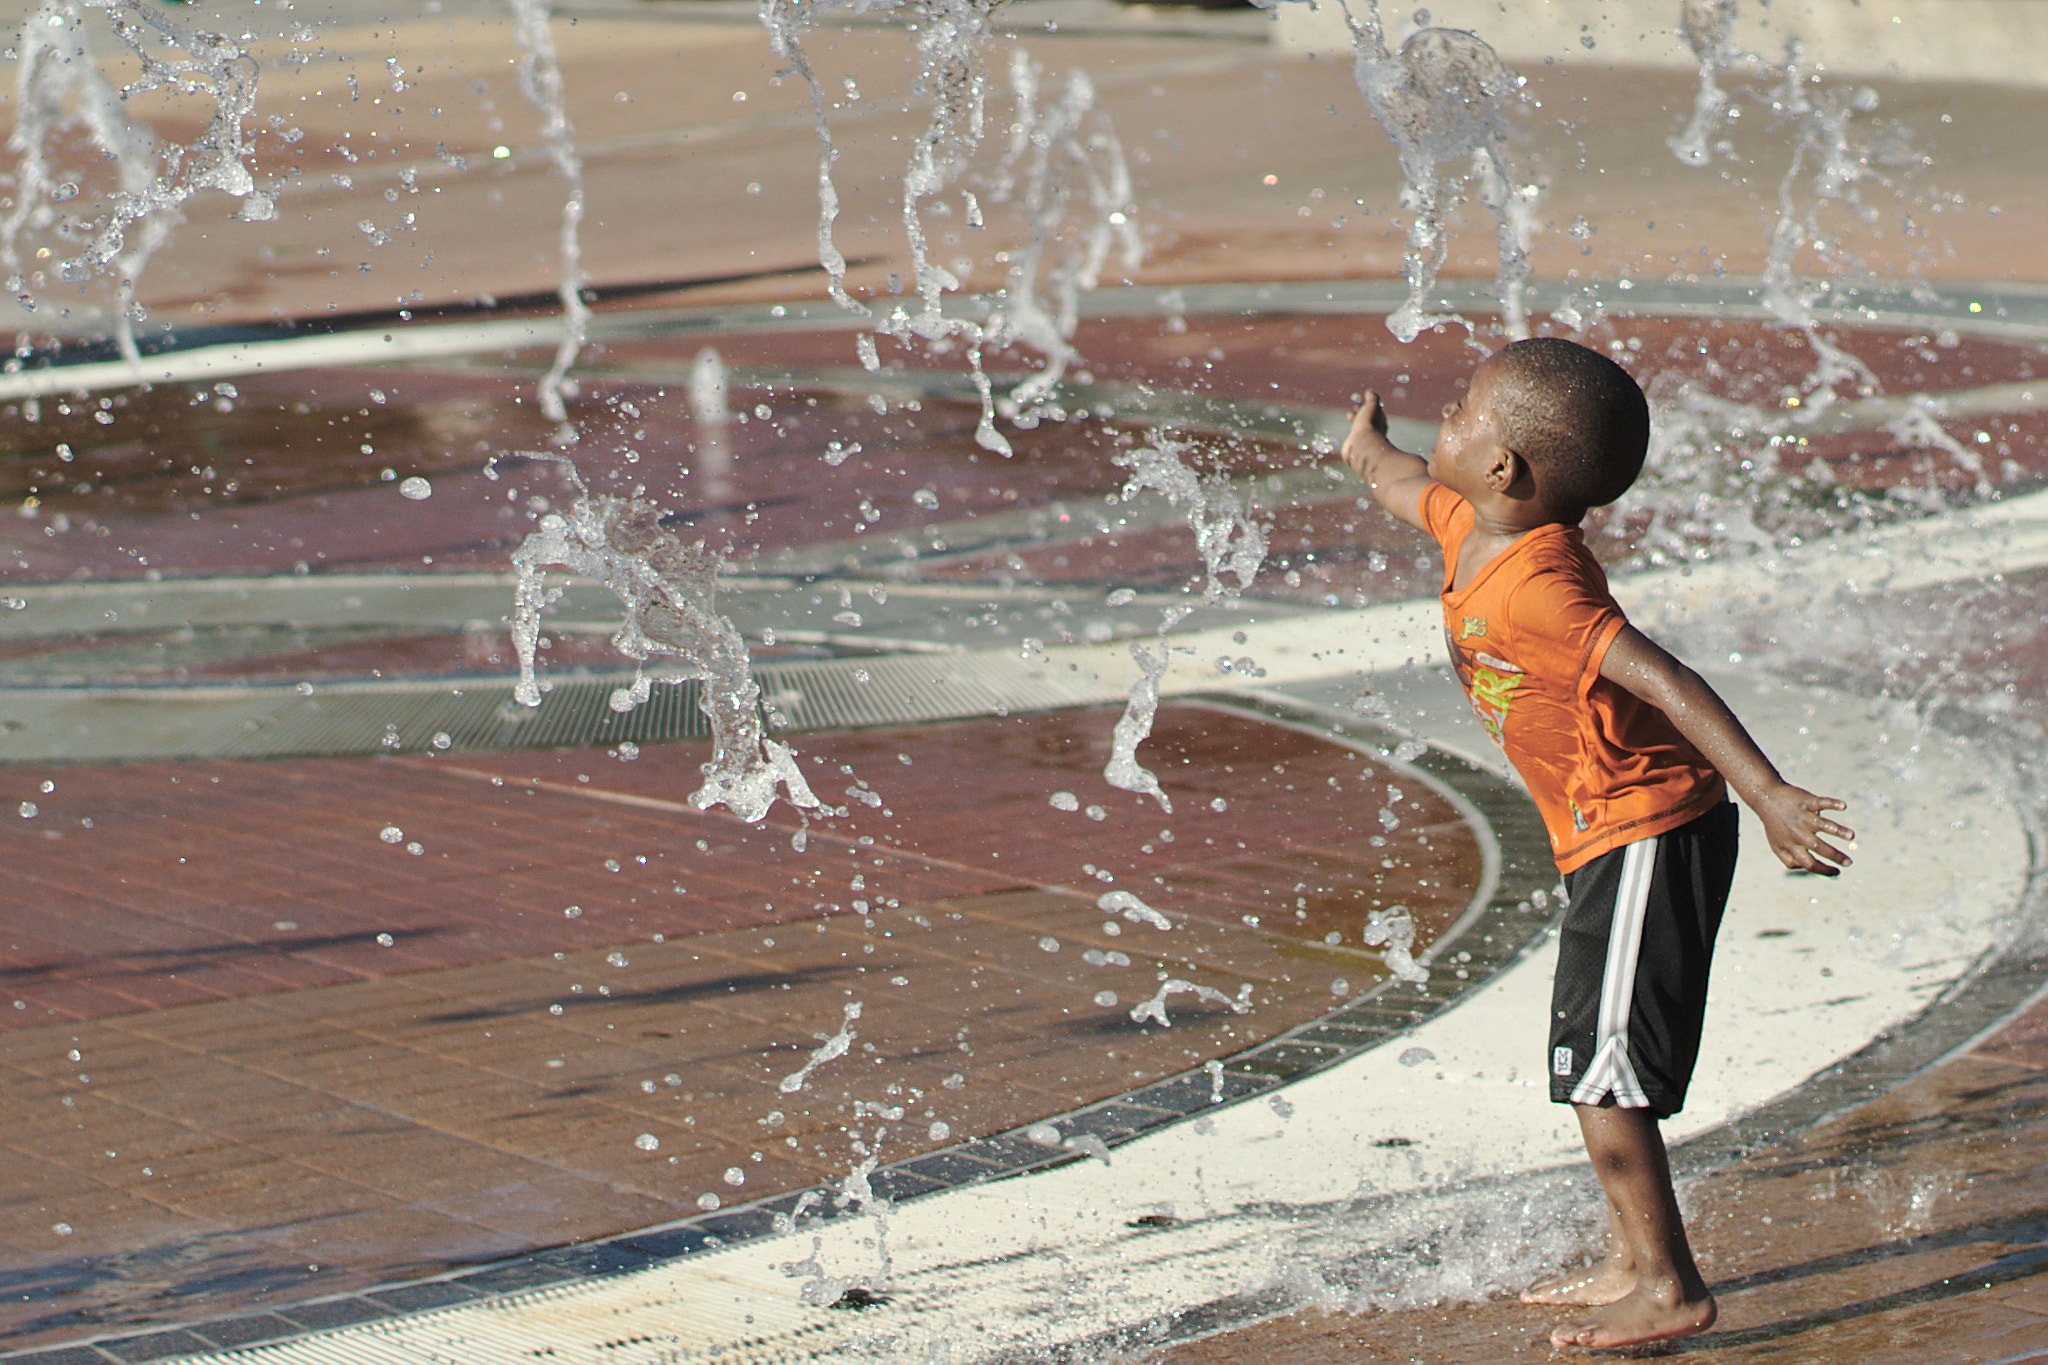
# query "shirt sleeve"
(1439, 506)
(1574, 616)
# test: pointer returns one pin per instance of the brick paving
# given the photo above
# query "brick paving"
(263, 1085)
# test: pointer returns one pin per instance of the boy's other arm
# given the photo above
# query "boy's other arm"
(1396, 478)
(1792, 817)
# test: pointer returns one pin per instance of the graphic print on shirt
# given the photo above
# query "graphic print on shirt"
(1490, 683)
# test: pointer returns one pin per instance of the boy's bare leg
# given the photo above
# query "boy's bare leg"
(1668, 1299)
(1601, 1283)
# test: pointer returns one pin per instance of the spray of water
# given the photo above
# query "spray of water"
(1232, 544)
(540, 80)
(1708, 27)
(1836, 152)
(1057, 160)
(1066, 170)
(1441, 100)
(668, 590)
(61, 92)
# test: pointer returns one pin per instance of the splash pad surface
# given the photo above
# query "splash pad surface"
(242, 656)
(960, 593)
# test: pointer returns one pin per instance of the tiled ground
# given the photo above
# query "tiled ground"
(225, 1076)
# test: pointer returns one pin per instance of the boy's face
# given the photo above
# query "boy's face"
(1468, 443)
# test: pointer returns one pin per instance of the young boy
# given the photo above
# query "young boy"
(1629, 755)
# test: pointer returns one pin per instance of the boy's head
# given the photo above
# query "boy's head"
(1575, 417)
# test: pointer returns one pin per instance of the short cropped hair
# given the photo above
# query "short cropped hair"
(1579, 419)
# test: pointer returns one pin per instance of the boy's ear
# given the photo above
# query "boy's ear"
(1507, 470)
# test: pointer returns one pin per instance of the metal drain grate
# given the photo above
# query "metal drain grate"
(574, 713)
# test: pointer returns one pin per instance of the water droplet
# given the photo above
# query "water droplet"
(554, 1009)
(1065, 801)
(571, 911)
(391, 834)
(616, 959)
(385, 940)
(707, 1202)
(1044, 1134)
(628, 751)
(925, 497)
(647, 1142)
(441, 739)
(28, 810)
(1416, 1056)
(1408, 750)
(416, 488)
(1218, 804)
(1049, 943)
(305, 689)
(735, 1176)
(1097, 813)
(1122, 597)
(1106, 999)
(416, 848)
(61, 1229)
(1340, 987)
(13, 603)
(940, 1130)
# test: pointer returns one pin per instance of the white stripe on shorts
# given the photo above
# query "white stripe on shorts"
(1609, 1071)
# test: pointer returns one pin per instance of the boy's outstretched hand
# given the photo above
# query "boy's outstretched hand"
(1794, 824)
(1370, 417)
(1396, 478)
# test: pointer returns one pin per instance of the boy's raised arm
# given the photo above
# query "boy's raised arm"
(1792, 817)
(1396, 478)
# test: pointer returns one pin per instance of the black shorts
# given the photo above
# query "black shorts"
(1632, 958)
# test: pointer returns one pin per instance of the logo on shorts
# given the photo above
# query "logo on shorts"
(1560, 1061)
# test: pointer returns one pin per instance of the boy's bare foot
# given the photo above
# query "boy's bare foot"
(1591, 1286)
(1638, 1318)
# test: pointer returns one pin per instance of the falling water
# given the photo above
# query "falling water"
(1836, 150)
(540, 79)
(61, 90)
(1231, 543)
(668, 590)
(1440, 99)
(1060, 161)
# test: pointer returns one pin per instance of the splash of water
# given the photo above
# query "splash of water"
(1132, 909)
(61, 91)
(1836, 151)
(540, 80)
(1231, 542)
(1440, 99)
(668, 589)
(1395, 927)
(1053, 156)
(1155, 1008)
(829, 1050)
(1708, 27)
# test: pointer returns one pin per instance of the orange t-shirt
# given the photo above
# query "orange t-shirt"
(1527, 636)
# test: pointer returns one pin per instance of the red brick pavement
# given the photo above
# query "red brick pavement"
(209, 880)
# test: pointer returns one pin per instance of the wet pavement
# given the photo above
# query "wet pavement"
(284, 1033)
